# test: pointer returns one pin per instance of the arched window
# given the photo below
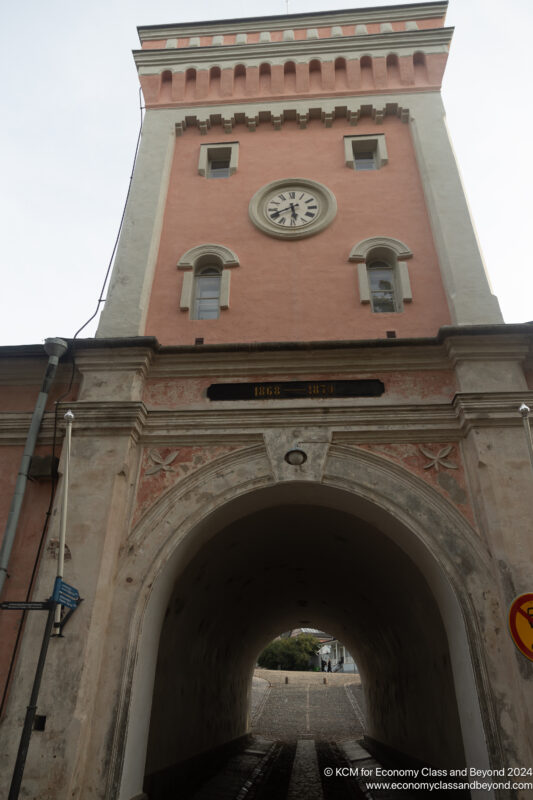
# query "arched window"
(393, 69)
(214, 81)
(341, 80)
(265, 79)
(289, 75)
(239, 79)
(367, 73)
(206, 280)
(315, 75)
(190, 83)
(382, 271)
(420, 68)
(165, 93)
(206, 303)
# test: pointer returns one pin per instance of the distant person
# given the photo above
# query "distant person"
(329, 665)
(323, 665)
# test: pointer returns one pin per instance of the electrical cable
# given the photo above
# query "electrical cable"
(57, 404)
(101, 298)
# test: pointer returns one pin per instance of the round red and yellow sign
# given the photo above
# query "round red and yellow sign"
(521, 624)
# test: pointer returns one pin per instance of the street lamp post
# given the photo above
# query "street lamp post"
(524, 411)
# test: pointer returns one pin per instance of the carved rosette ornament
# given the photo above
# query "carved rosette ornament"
(438, 459)
(160, 464)
(440, 465)
(162, 468)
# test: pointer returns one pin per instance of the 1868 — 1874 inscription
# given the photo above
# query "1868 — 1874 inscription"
(291, 390)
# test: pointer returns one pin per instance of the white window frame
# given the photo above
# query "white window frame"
(195, 259)
(218, 151)
(390, 251)
(374, 142)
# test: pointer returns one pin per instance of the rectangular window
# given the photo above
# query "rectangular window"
(363, 153)
(218, 160)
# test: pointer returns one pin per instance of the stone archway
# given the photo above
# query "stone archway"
(424, 532)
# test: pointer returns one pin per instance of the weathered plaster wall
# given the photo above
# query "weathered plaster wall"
(156, 483)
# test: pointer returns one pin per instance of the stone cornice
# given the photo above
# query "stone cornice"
(502, 348)
(14, 427)
(505, 341)
(356, 16)
(90, 419)
(109, 418)
(280, 362)
(378, 44)
(113, 359)
(485, 408)
(360, 423)
(243, 423)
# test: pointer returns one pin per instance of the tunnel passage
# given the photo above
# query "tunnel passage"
(302, 565)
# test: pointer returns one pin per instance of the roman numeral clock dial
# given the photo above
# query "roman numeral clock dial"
(292, 208)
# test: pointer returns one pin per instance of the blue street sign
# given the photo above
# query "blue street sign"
(65, 594)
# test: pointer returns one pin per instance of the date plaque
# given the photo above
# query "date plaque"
(295, 390)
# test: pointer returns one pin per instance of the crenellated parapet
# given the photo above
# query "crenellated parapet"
(349, 52)
(296, 27)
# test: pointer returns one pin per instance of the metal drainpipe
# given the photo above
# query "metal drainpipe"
(54, 348)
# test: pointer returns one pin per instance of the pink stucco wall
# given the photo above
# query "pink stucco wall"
(24, 549)
(214, 84)
(306, 289)
(431, 386)
(20, 398)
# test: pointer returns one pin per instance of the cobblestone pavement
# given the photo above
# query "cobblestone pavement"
(306, 707)
(296, 720)
(306, 733)
(275, 676)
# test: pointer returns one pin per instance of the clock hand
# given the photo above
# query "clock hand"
(279, 211)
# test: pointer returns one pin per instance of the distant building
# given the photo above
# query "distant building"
(331, 649)
(341, 659)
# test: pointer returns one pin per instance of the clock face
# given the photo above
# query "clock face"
(292, 208)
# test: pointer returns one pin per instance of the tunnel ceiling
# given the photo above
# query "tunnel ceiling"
(292, 566)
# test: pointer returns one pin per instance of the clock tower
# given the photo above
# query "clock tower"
(295, 182)
(300, 410)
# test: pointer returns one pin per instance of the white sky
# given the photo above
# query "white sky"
(70, 122)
